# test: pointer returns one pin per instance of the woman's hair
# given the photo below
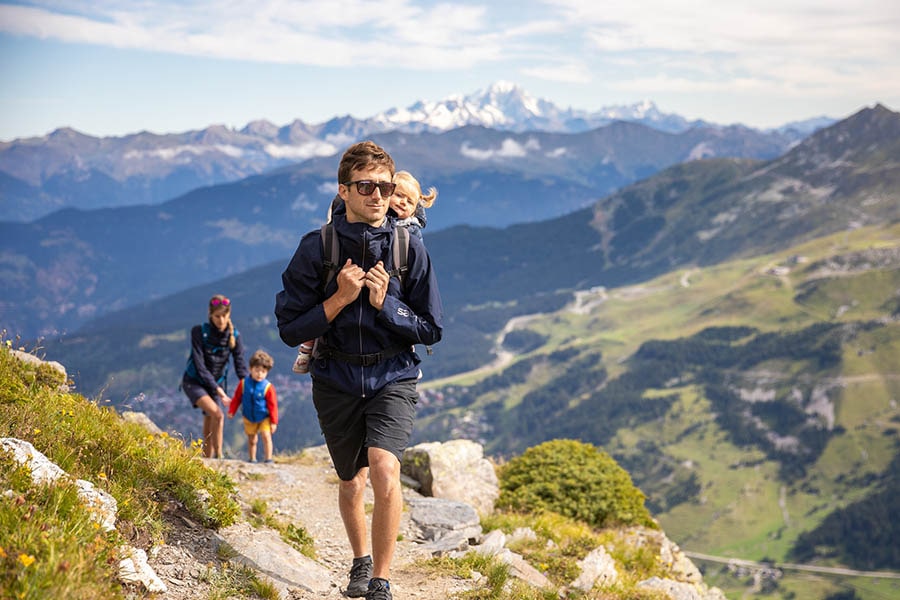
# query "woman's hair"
(262, 359)
(220, 303)
(363, 156)
(405, 178)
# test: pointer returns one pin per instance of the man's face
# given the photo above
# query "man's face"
(366, 209)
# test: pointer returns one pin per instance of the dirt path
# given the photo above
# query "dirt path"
(303, 491)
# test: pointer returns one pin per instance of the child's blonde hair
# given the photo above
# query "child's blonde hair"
(262, 359)
(405, 178)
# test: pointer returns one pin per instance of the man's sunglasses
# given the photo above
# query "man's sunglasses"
(219, 302)
(366, 187)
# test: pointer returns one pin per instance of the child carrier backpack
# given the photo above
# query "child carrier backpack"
(332, 250)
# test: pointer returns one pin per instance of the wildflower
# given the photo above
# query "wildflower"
(36, 431)
(2, 552)
(26, 559)
(9, 344)
(101, 475)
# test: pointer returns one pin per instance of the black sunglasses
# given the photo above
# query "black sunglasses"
(367, 187)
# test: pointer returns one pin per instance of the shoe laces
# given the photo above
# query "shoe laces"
(379, 590)
(360, 570)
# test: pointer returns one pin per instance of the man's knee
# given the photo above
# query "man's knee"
(354, 486)
(384, 467)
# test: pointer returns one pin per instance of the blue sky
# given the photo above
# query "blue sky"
(110, 67)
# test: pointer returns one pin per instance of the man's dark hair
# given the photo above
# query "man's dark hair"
(363, 156)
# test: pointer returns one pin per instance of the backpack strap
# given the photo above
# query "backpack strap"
(400, 252)
(332, 252)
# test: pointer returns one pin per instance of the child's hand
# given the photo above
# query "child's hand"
(230, 416)
(274, 427)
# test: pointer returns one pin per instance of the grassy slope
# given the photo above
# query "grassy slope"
(745, 510)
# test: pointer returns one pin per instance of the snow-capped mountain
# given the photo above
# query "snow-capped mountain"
(506, 106)
(67, 168)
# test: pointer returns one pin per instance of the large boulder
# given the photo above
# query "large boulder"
(454, 470)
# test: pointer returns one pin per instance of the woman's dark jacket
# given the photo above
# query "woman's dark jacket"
(210, 357)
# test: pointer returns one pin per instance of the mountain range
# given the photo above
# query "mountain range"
(697, 213)
(70, 169)
(727, 328)
(73, 265)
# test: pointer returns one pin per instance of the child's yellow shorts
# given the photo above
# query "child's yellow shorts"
(251, 428)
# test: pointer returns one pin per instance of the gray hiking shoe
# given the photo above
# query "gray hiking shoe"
(379, 589)
(360, 573)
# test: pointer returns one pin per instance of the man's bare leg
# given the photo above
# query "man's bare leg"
(385, 473)
(353, 511)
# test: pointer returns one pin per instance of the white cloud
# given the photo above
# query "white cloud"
(509, 148)
(301, 152)
(315, 32)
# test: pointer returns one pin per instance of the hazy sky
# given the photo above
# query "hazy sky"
(108, 67)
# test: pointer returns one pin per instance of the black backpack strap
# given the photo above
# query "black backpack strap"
(400, 252)
(332, 253)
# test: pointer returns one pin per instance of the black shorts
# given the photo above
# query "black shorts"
(194, 390)
(352, 424)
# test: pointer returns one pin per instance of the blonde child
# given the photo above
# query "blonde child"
(257, 395)
(409, 203)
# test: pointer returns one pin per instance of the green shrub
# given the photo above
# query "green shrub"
(573, 479)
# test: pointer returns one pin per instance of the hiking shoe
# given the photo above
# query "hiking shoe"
(360, 573)
(379, 589)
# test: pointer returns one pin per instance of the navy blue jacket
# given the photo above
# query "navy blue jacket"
(412, 315)
(210, 358)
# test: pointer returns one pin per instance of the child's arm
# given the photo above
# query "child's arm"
(236, 399)
(272, 405)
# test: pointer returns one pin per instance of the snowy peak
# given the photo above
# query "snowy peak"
(506, 106)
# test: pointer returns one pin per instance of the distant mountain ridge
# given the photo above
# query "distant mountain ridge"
(67, 168)
(73, 265)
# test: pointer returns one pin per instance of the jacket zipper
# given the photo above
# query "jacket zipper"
(362, 377)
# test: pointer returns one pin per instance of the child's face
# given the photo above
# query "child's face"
(258, 372)
(404, 201)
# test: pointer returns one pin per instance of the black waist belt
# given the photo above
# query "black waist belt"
(363, 360)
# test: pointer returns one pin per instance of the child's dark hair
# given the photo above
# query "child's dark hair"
(262, 359)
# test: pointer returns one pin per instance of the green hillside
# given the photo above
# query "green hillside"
(754, 402)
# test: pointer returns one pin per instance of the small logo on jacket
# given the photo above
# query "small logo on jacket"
(402, 311)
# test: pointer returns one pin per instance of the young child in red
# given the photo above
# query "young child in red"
(260, 405)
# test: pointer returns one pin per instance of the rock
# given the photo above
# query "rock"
(670, 555)
(141, 419)
(494, 545)
(103, 507)
(34, 360)
(134, 569)
(265, 551)
(598, 567)
(443, 525)
(680, 590)
(454, 470)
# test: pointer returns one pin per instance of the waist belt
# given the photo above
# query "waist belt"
(363, 360)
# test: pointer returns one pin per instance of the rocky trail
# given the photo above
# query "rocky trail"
(301, 491)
